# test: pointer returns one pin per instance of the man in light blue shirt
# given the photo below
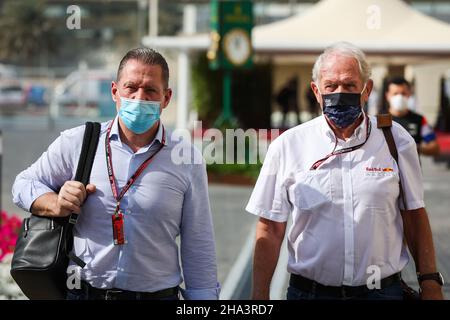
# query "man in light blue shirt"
(135, 182)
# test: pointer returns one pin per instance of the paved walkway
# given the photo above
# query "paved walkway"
(231, 224)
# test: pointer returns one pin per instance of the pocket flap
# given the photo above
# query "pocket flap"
(312, 189)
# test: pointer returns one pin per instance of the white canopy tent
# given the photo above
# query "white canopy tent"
(389, 31)
(376, 26)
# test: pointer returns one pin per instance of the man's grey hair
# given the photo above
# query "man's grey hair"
(344, 49)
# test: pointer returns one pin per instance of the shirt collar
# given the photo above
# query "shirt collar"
(159, 134)
(360, 131)
(114, 135)
(358, 134)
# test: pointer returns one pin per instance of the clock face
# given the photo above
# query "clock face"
(237, 46)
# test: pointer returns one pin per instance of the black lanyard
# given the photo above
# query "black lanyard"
(345, 150)
(112, 179)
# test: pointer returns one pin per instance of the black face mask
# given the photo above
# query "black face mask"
(342, 108)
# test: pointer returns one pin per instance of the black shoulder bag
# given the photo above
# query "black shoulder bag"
(44, 245)
(384, 122)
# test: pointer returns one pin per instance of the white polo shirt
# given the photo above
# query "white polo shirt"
(345, 214)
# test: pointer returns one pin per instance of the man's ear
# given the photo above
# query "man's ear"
(167, 97)
(315, 89)
(113, 91)
(114, 94)
(386, 95)
(369, 88)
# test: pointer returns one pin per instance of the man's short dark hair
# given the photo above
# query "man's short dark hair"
(146, 56)
(399, 81)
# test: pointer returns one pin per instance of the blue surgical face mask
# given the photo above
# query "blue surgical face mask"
(139, 115)
(342, 108)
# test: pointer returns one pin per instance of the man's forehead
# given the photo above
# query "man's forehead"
(338, 67)
(134, 68)
(343, 79)
(137, 67)
(398, 87)
(339, 59)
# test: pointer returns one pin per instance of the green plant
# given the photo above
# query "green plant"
(206, 90)
(248, 170)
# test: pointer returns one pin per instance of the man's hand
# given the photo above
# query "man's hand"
(429, 149)
(431, 290)
(420, 242)
(70, 198)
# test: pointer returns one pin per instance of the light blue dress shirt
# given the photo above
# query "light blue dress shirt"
(168, 200)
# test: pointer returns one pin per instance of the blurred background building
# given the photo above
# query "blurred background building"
(39, 51)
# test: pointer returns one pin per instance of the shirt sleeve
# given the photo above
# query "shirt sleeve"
(269, 197)
(53, 168)
(427, 132)
(198, 253)
(410, 171)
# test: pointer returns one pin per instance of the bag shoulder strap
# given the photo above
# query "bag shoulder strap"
(87, 155)
(91, 152)
(83, 173)
(384, 122)
(84, 150)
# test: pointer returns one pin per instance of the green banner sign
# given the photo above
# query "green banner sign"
(231, 28)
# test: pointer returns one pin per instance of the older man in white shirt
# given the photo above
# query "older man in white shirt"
(336, 178)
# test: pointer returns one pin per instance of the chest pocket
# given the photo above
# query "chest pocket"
(312, 189)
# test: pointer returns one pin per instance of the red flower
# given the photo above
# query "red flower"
(9, 231)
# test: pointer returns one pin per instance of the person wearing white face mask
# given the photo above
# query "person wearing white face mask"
(140, 201)
(398, 93)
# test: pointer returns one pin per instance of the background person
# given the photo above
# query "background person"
(287, 99)
(398, 93)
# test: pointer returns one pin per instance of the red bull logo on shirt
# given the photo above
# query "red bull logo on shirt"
(380, 169)
(380, 172)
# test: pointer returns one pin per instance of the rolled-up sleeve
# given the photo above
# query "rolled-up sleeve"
(198, 253)
(47, 174)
